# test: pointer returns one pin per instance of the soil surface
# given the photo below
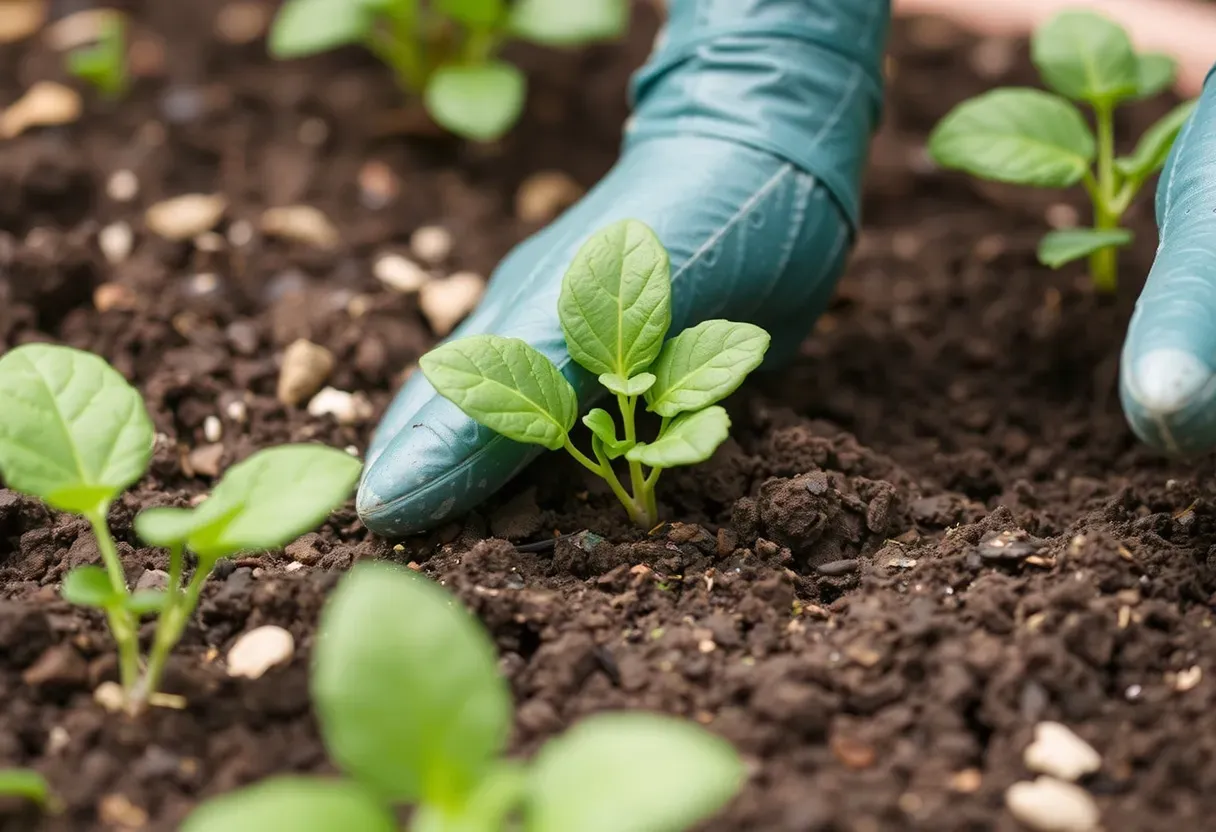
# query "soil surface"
(831, 599)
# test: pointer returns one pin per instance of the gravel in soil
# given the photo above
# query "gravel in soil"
(928, 536)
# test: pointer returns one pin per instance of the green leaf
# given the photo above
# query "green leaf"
(566, 23)
(631, 772)
(1155, 72)
(264, 502)
(90, 586)
(615, 303)
(490, 807)
(691, 438)
(479, 102)
(104, 63)
(1086, 57)
(635, 386)
(1154, 146)
(301, 804)
(74, 432)
(479, 14)
(146, 601)
(705, 364)
(26, 784)
(1069, 244)
(166, 526)
(406, 686)
(506, 385)
(1016, 135)
(305, 27)
(602, 425)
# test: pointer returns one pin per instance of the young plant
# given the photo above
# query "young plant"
(411, 706)
(103, 63)
(27, 785)
(615, 310)
(1030, 137)
(77, 435)
(446, 50)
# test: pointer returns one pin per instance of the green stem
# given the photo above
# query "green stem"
(398, 46)
(122, 623)
(1103, 264)
(637, 482)
(172, 623)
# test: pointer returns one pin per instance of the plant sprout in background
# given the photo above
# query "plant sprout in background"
(27, 785)
(76, 434)
(411, 707)
(446, 50)
(1030, 137)
(103, 62)
(615, 311)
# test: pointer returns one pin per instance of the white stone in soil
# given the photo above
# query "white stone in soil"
(45, 104)
(346, 408)
(213, 429)
(446, 302)
(305, 367)
(1051, 805)
(122, 186)
(302, 223)
(431, 244)
(116, 241)
(186, 216)
(1057, 751)
(258, 650)
(400, 273)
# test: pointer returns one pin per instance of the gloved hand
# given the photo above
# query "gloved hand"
(745, 152)
(1168, 372)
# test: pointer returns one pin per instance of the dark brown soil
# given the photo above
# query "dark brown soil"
(826, 601)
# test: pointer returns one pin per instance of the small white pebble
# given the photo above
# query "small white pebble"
(305, 367)
(116, 241)
(240, 233)
(46, 104)
(431, 244)
(400, 273)
(213, 429)
(1057, 751)
(57, 739)
(187, 216)
(1050, 805)
(446, 302)
(110, 696)
(294, 566)
(123, 185)
(237, 411)
(352, 450)
(1188, 679)
(302, 223)
(209, 242)
(258, 650)
(346, 408)
(544, 195)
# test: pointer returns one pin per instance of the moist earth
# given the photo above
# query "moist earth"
(931, 532)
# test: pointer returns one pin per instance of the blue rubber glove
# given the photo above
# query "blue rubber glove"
(1168, 375)
(745, 152)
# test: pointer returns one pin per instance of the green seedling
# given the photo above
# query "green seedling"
(411, 707)
(76, 435)
(446, 50)
(615, 311)
(103, 63)
(27, 785)
(1027, 136)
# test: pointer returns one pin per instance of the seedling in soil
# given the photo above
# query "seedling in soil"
(615, 311)
(27, 785)
(77, 435)
(1026, 136)
(446, 50)
(103, 63)
(411, 706)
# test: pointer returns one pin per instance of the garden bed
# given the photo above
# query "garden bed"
(825, 600)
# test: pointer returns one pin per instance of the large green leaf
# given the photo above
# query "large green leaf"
(1017, 135)
(299, 804)
(1154, 146)
(615, 303)
(406, 686)
(569, 22)
(74, 432)
(1069, 244)
(479, 102)
(262, 503)
(705, 364)
(1086, 57)
(506, 385)
(1155, 72)
(631, 772)
(691, 438)
(90, 586)
(305, 27)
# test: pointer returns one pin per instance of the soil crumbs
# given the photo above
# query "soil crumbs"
(929, 535)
